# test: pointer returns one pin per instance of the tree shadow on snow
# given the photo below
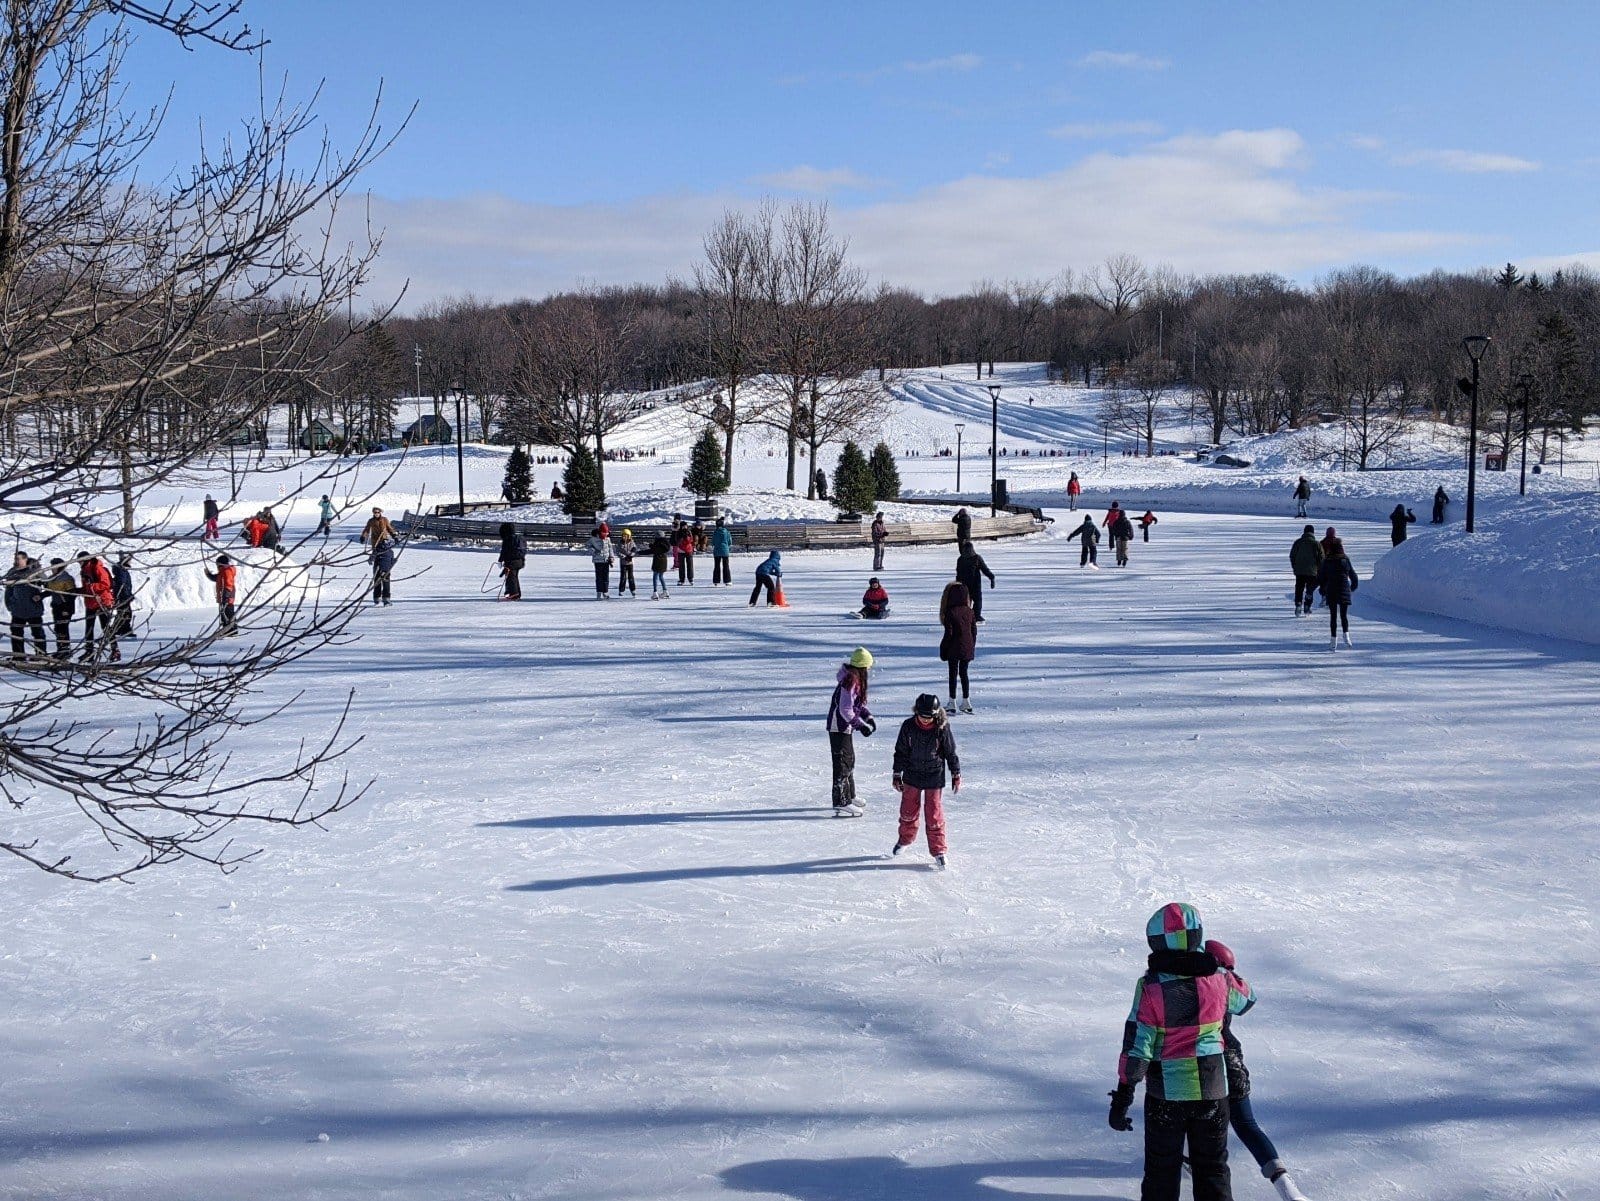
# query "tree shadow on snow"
(887, 1179)
(593, 820)
(852, 863)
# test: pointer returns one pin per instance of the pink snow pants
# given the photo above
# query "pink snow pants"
(912, 802)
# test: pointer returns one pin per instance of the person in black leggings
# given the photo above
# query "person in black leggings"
(1339, 583)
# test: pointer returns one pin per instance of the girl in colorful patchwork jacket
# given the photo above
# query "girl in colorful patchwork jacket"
(1240, 1115)
(1173, 1041)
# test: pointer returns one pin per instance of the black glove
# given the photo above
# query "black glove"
(868, 727)
(1121, 1102)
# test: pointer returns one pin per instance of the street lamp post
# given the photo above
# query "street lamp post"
(461, 471)
(1525, 386)
(960, 425)
(1476, 345)
(994, 444)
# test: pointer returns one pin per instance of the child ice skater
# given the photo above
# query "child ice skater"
(925, 746)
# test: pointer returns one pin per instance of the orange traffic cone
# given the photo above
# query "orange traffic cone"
(778, 597)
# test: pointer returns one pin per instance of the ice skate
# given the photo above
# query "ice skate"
(897, 848)
(966, 704)
(853, 809)
(1274, 1171)
(1347, 641)
(950, 705)
(939, 862)
(1333, 642)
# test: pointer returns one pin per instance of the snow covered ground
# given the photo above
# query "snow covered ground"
(593, 934)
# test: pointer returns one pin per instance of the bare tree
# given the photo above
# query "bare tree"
(142, 326)
(1133, 402)
(738, 253)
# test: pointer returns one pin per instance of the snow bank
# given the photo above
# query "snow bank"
(173, 577)
(1535, 568)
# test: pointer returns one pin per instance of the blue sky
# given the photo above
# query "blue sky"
(558, 143)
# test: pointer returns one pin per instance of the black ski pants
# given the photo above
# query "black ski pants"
(842, 749)
(90, 616)
(625, 578)
(958, 668)
(1338, 611)
(380, 586)
(1090, 553)
(685, 569)
(513, 574)
(35, 625)
(1305, 590)
(1168, 1125)
(602, 578)
(63, 628)
(763, 581)
(975, 591)
(721, 570)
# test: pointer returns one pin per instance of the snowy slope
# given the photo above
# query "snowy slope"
(593, 936)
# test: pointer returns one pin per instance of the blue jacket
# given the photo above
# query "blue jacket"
(722, 542)
(771, 567)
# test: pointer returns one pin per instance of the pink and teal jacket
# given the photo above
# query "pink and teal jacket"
(1173, 1039)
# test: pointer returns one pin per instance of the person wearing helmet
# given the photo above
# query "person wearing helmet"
(874, 601)
(1173, 1041)
(847, 713)
(925, 745)
(226, 579)
(625, 552)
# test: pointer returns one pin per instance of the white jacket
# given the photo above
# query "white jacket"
(599, 549)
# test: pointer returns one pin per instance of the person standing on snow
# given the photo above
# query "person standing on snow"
(599, 548)
(1090, 543)
(1121, 535)
(122, 594)
(970, 570)
(325, 515)
(767, 576)
(847, 713)
(874, 601)
(513, 558)
(1074, 490)
(959, 644)
(99, 603)
(1173, 1042)
(1302, 495)
(382, 571)
(1305, 559)
(211, 515)
(1440, 500)
(660, 550)
(1398, 520)
(25, 603)
(963, 523)
(1338, 582)
(924, 747)
(226, 578)
(1241, 1116)
(625, 552)
(721, 549)
(880, 537)
(63, 590)
(1149, 519)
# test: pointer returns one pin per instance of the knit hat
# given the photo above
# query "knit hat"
(1174, 927)
(860, 657)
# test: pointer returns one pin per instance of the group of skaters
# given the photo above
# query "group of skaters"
(673, 549)
(1118, 527)
(1398, 520)
(106, 593)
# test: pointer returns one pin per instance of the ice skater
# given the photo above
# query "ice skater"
(959, 644)
(874, 601)
(1302, 497)
(721, 549)
(226, 578)
(768, 575)
(970, 570)
(513, 558)
(924, 748)
(1090, 536)
(625, 553)
(1173, 1042)
(1074, 490)
(1305, 560)
(660, 551)
(325, 515)
(847, 713)
(1149, 519)
(1338, 582)
(1121, 536)
(599, 548)
(1398, 520)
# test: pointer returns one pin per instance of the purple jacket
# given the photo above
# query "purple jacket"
(846, 711)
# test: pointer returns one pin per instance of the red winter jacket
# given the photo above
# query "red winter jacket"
(1074, 488)
(97, 586)
(255, 530)
(1112, 515)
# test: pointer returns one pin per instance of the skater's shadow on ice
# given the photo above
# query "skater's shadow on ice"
(887, 1179)
(595, 820)
(808, 867)
(725, 717)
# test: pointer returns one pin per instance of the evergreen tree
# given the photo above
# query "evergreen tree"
(854, 488)
(1509, 278)
(705, 476)
(1534, 285)
(885, 475)
(518, 484)
(581, 482)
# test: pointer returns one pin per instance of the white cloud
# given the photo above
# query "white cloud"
(1095, 130)
(1125, 60)
(816, 180)
(1362, 141)
(951, 62)
(1472, 162)
(1227, 202)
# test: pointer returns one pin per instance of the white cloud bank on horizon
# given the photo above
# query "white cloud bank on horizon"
(1220, 203)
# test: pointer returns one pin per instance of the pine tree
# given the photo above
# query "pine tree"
(1535, 285)
(518, 483)
(1509, 278)
(581, 482)
(885, 475)
(854, 489)
(705, 476)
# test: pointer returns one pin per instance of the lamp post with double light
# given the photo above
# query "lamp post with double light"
(1476, 345)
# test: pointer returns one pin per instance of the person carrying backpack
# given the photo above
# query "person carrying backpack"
(924, 748)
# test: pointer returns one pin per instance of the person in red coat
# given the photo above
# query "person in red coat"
(1114, 512)
(1074, 490)
(875, 600)
(255, 530)
(684, 549)
(1149, 519)
(959, 646)
(99, 603)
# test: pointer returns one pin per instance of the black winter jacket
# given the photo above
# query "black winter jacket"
(24, 597)
(513, 551)
(970, 569)
(1337, 579)
(920, 754)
